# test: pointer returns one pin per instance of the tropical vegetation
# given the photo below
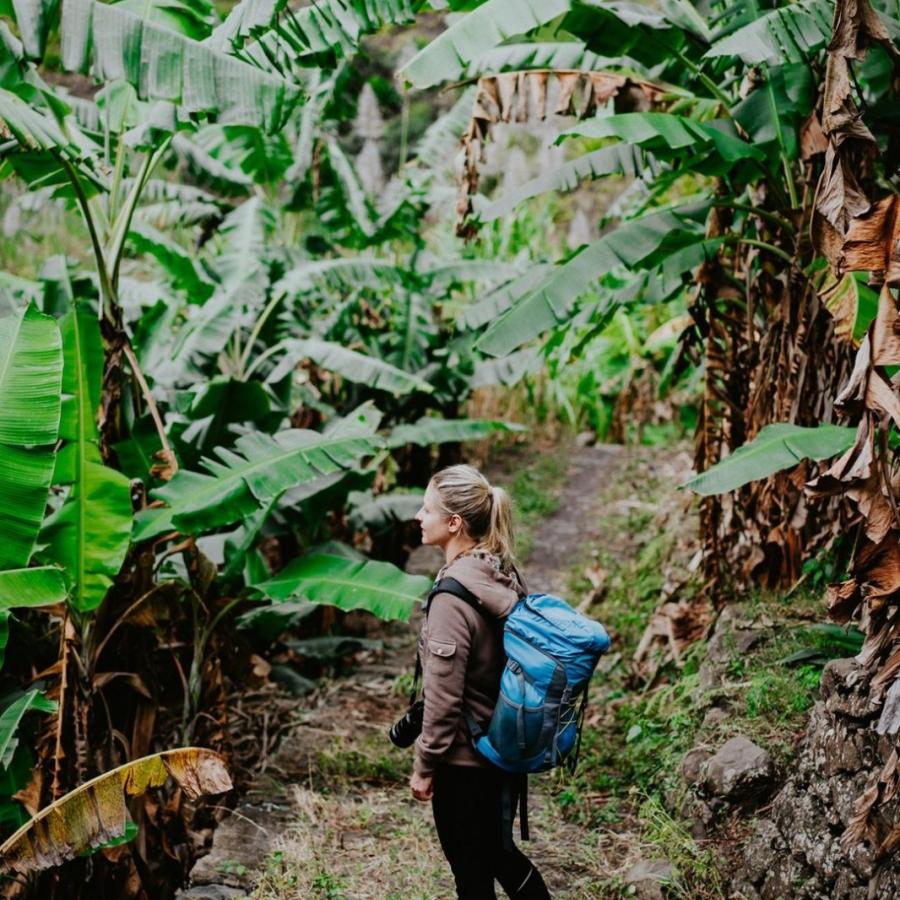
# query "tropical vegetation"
(225, 395)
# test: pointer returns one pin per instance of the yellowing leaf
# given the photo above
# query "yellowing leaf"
(95, 813)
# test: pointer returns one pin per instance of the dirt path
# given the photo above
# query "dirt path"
(330, 816)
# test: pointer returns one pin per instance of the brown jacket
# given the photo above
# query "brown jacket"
(462, 656)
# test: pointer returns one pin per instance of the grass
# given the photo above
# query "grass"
(343, 846)
(372, 759)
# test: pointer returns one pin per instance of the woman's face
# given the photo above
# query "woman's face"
(437, 527)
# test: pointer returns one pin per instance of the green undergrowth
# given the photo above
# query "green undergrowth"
(371, 759)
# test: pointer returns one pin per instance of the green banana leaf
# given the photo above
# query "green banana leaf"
(377, 587)
(790, 34)
(178, 263)
(645, 34)
(257, 470)
(114, 43)
(508, 370)
(243, 235)
(31, 367)
(89, 534)
(206, 332)
(12, 779)
(776, 447)
(30, 374)
(11, 718)
(430, 430)
(206, 170)
(352, 189)
(496, 302)
(661, 133)
(168, 204)
(82, 373)
(264, 157)
(438, 144)
(317, 32)
(352, 365)
(485, 271)
(540, 55)
(45, 133)
(192, 18)
(247, 19)
(35, 586)
(25, 479)
(492, 23)
(338, 274)
(618, 159)
(384, 511)
(34, 19)
(773, 113)
(636, 243)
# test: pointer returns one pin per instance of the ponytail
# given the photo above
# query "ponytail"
(486, 511)
(500, 539)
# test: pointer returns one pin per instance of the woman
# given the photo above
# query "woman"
(461, 649)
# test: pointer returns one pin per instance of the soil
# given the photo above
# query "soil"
(329, 813)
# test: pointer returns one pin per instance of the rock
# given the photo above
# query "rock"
(692, 764)
(714, 717)
(211, 892)
(711, 675)
(738, 768)
(241, 844)
(746, 639)
(743, 890)
(647, 877)
(585, 439)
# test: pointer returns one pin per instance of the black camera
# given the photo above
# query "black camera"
(406, 729)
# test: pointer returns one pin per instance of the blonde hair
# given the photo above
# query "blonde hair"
(485, 510)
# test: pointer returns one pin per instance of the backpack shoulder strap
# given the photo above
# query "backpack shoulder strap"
(452, 586)
(444, 586)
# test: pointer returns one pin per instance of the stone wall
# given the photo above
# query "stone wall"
(795, 851)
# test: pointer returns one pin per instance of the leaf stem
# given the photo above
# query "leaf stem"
(151, 405)
(756, 211)
(257, 328)
(106, 291)
(123, 220)
(269, 351)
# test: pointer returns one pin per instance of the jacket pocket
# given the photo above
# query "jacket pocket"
(441, 655)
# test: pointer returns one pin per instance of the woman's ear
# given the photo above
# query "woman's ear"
(454, 524)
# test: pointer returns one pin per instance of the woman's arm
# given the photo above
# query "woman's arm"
(444, 660)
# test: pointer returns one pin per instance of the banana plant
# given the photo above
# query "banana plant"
(177, 81)
(713, 116)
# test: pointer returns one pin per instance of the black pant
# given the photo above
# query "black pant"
(468, 814)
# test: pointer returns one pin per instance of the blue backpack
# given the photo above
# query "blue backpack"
(551, 653)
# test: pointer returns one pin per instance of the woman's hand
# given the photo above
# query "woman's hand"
(421, 786)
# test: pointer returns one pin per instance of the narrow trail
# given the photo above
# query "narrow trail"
(331, 816)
